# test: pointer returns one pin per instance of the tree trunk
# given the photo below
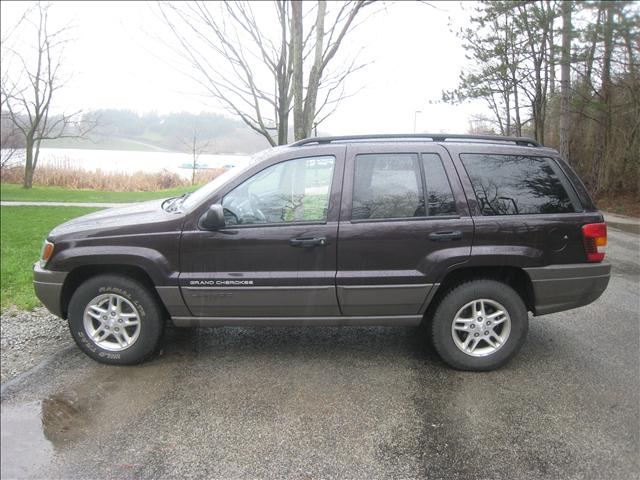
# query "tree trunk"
(603, 136)
(315, 74)
(283, 79)
(195, 158)
(28, 164)
(565, 74)
(298, 78)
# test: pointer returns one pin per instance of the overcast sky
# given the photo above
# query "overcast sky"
(117, 63)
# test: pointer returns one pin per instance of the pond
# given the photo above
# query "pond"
(129, 161)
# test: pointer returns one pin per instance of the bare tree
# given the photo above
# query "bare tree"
(196, 147)
(28, 89)
(256, 65)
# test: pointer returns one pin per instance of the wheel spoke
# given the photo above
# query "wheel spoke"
(462, 324)
(478, 308)
(130, 323)
(120, 340)
(125, 336)
(96, 312)
(96, 315)
(100, 330)
(473, 344)
(104, 334)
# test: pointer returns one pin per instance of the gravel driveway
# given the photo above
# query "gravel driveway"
(28, 338)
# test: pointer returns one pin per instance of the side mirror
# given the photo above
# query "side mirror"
(213, 219)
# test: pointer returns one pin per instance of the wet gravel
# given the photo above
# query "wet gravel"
(28, 338)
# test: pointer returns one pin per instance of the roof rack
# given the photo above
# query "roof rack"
(434, 137)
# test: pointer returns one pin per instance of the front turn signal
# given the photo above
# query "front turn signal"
(45, 254)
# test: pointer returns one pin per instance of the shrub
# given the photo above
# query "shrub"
(62, 174)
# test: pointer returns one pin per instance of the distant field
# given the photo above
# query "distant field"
(105, 143)
(13, 192)
(22, 233)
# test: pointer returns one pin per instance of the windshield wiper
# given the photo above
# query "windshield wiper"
(180, 201)
(172, 204)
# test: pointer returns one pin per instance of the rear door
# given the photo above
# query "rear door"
(404, 222)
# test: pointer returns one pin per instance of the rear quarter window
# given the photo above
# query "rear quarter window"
(517, 184)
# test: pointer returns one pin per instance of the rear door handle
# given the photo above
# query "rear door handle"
(445, 236)
(308, 242)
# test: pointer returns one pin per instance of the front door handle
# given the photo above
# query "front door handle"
(446, 236)
(308, 242)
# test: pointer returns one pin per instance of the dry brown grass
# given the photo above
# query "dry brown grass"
(64, 175)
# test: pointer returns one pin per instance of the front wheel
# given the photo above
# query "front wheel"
(115, 319)
(479, 325)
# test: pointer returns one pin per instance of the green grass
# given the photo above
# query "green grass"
(14, 192)
(22, 233)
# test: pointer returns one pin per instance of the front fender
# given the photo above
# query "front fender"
(154, 263)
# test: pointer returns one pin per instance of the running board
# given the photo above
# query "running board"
(347, 321)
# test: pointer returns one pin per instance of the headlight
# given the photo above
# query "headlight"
(46, 252)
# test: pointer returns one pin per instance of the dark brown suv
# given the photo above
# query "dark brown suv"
(468, 233)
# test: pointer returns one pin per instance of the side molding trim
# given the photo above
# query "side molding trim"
(396, 320)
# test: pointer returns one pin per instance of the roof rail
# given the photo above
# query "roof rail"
(434, 137)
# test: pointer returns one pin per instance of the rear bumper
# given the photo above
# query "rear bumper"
(48, 286)
(563, 287)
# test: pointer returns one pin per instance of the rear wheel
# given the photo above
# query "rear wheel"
(115, 319)
(479, 325)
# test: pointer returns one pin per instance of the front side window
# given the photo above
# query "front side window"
(387, 186)
(516, 184)
(292, 191)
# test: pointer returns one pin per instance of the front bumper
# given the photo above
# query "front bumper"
(563, 287)
(48, 286)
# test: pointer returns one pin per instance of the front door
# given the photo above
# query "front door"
(404, 222)
(276, 256)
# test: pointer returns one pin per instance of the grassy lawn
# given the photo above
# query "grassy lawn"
(23, 231)
(14, 192)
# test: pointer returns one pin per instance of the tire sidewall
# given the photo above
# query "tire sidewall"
(149, 314)
(460, 296)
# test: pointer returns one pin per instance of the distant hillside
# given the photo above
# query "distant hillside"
(127, 130)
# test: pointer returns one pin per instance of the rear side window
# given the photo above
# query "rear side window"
(440, 199)
(387, 186)
(516, 184)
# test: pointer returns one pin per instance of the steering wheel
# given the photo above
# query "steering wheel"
(253, 202)
(229, 214)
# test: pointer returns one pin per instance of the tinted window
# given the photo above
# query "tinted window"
(440, 199)
(292, 191)
(516, 185)
(387, 186)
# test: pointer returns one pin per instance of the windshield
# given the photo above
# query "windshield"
(196, 198)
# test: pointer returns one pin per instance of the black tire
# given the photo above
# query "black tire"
(457, 298)
(151, 319)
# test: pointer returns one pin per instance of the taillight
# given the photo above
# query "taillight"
(595, 239)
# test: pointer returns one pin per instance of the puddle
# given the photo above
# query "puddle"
(35, 432)
(24, 447)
